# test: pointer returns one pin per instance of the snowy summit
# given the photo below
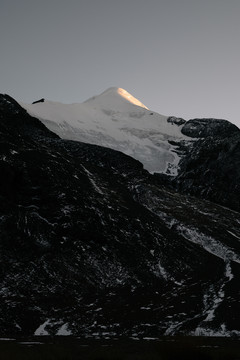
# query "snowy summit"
(116, 97)
(116, 119)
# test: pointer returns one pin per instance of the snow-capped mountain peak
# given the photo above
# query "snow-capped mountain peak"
(117, 120)
(115, 97)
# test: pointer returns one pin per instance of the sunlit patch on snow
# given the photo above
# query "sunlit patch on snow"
(130, 98)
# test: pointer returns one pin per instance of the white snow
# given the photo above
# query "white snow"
(64, 331)
(230, 232)
(221, 332)
(13, 152)
(162, 271)
(173, 327)
(208, 243)
(228, 272)
(212, 300)
(41, 329)
(93, 182)
(215, 295)
(117, 120)
(145, 308)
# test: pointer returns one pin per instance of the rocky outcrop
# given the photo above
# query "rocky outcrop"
(202, 128)
(38, 101)
(210, 167)
(176, 120)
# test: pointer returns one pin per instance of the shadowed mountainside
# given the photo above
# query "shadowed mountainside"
(92, 245)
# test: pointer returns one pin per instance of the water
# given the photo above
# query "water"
(164, 348)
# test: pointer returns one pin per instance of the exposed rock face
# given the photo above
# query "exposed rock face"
(176, 120)
(202, 128)
(92, 244)
(9, 106)
(210, 168)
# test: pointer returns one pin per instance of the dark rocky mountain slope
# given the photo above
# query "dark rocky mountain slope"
(210, 166)
(93, 245)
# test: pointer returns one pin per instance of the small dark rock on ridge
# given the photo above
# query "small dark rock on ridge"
(38, 101)
(176, 120)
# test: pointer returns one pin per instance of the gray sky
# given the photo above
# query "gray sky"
(179, 57)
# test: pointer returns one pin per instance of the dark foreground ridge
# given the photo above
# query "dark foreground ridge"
(165, 348)
(92, 245)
